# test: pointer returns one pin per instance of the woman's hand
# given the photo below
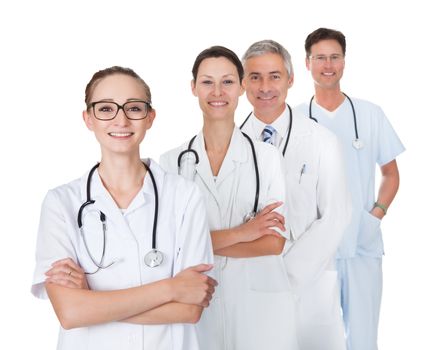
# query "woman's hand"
(263, 224)
(67, 273)
(192, 286)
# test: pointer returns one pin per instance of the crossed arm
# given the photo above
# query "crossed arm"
(180, 299)
(256, 237)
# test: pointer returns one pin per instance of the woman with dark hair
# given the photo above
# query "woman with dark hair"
(243, 189)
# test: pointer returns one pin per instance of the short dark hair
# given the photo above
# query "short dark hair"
(101, 74)
(324, 34)
(218, 51)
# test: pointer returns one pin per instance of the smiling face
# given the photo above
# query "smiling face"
(326, 64)
(266, 82)
(218, 87)
(119, 135)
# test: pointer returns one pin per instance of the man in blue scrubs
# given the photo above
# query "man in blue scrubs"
(368, 141)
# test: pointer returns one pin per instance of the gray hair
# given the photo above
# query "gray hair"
(269, 46)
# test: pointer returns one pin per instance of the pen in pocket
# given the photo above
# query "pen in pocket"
(302, 172)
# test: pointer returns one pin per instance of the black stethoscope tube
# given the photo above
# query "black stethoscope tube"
(256, 168)
(256, 171)
(89, 200)
(189, 149)
(156, 207)
(103, 218)
(353, 111)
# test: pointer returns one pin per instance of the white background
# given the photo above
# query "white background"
(50, 49)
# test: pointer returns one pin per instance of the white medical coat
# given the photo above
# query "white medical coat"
(182, 236)
(251, 306)
(318, 210)
(381, 145)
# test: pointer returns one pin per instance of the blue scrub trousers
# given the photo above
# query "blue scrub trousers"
(361, 292)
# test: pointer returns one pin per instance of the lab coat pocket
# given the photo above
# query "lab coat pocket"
(301, 200)
(370, 241)
(267, 274)
(304, 186)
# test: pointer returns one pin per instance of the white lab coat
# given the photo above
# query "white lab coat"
(319, 208)
(182, 236)
(251, 306)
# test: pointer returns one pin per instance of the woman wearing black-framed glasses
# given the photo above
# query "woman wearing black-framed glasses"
(139, 234)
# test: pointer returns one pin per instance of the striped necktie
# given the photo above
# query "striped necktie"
(268, 134)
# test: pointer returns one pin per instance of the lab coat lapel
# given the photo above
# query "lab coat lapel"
(300, 130)
(237, 153)
(146, 194)
(203, 168)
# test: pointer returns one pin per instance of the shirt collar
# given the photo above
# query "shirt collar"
(237, 150)
(280, 124)
(99, 192)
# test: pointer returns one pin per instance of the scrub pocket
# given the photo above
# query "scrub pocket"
(370, 240)
(267, 274)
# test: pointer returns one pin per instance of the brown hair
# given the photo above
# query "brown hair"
(218, 51)
(324, 34)
(101, 74)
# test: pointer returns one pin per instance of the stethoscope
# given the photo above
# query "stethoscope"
(152, 259)
(356, 143)
(288, 131)
(189, 149)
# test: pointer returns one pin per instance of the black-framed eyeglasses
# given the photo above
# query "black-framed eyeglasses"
(134, 110)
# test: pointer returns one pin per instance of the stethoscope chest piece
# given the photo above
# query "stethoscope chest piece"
(249, 217)
(153, 258)
(357, 144)
(188, 165)
(187, 161)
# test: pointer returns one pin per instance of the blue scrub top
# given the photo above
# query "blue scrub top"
(381, 145)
